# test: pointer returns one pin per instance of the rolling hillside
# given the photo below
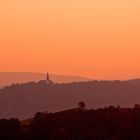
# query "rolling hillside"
(23, 100)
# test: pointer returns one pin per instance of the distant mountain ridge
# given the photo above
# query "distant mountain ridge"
(8, 78)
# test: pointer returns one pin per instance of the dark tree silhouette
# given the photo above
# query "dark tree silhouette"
(82, 105)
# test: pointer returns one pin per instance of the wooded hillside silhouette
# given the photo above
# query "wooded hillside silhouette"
(23, 100)
(109, 123)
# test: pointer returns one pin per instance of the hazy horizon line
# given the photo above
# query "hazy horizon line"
(72, 75)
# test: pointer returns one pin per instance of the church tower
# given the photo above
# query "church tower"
(47, 77)
(48, 81)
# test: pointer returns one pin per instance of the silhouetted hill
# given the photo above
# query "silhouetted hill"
(134, 81)
(7, 78)
(24, 100)
(108, 123)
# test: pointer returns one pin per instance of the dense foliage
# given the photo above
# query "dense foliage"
(109, 123)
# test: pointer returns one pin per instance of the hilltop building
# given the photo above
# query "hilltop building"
(48, 81)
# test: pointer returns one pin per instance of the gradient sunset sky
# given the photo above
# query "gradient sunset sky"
(99, 39)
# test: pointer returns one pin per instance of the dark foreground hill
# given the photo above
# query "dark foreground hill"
(23, 100)
(109, 123)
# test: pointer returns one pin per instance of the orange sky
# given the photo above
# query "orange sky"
(90, 38)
